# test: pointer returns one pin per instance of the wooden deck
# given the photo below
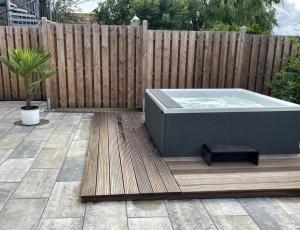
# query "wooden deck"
(122, 164)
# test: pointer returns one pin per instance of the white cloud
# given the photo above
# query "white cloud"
(87, 6)
(288, 16)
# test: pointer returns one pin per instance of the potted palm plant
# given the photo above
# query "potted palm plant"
(27, 63)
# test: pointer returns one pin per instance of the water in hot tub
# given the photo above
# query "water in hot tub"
(215, 102)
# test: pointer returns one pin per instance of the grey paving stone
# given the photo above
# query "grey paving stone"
(6, 190)
(149, 223)
(38, 183)
(223, 207)
(4, 110)
(59, 140)
(85, 123)
(234, 223)
(4, 127)
(4, 153)
(61, 224)
(72, 169)
(78, 149)
(154, 208)
(40, 134)
(268, 215)
(73, 119)
(21, 129)
(65, 201)
(188, 215)
(82, 134)
(290, 204)
(13, 170)
(22, 214)
(50, 158)
(27, 149)
(88, 115)
(51, 125)
(11, 140)
(55, 116)
(105, 215)
(297, 218)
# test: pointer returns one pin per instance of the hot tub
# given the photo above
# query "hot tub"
(180, 121)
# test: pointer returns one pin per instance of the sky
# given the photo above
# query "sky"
(288, 15)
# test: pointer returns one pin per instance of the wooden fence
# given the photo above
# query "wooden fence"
(110, 66)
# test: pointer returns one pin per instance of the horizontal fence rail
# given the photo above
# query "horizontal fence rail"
(111, 66)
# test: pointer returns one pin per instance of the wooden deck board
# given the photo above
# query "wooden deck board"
(123, 164)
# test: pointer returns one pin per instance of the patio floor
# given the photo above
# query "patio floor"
(41, 170)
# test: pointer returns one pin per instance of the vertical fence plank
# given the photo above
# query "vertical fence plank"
(261, 64)
(207, 60)
(139, 93)
(70, 65)
(166, 59)
(130, 68)
(61, 64)
(199, 60)
(182, 59)
(18, 42)
(105, 66)
(269, 64)
(157, 59)
(97, 65)
(114, 66)
(5, 93)
(13, 77)
(191, 59)
(223, 59)
(246, 55)
(144, 55)
(231, 59)
(286, 51)
(278, 56)
(215, 59)
(150, 53)
(88, 66)
(174, 59)
(122, 97)
(253, 62)
(79, 66)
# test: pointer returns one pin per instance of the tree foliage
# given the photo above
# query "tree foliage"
(257, 15)
(63, 11)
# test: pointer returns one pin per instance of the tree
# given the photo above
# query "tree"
(113, 12)
(257, 15)
(64, 11)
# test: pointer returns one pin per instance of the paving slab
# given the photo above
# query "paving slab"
(55, 116)
(38, 183)
(188, 215)
(223, 207)
(82, 134)
(78, 149)
(85, 123)
(289, 204)
(59, 140)
(61, 224)
(21, 129)
(149, 223)
(4, 153)
(235, 223)
(72, 169)
(105, 215)
(154, 208)
(50, 158)
(11, 140)
(6, 190)
(267, 214)
(40, 134)
(51, 125)
(28, 149)
(65, 201)
(13, 170)
(22, 214)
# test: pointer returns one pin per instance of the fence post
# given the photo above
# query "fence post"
(144, 56)
(44, 31)
(240, 58)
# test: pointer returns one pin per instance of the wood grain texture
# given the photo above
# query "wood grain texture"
(88, 80)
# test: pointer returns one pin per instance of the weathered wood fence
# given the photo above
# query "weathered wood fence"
(110, 66)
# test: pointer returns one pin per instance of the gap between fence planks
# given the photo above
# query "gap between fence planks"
(111, 66)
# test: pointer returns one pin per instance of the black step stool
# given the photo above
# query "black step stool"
(229, 152)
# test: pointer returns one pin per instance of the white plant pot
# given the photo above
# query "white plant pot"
(30, 116)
